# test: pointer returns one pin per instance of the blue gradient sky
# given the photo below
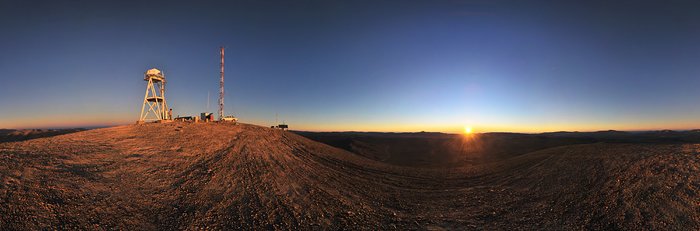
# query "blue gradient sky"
(358, 65)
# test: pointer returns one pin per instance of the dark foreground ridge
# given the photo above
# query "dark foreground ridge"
(221, 176)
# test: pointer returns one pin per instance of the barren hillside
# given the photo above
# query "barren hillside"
(221, 176)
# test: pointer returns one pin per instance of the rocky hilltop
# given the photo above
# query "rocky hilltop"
(225, 176)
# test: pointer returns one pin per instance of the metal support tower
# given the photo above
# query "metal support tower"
(221, 88)
(155, 97)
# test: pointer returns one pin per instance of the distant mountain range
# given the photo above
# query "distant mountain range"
(11, 135)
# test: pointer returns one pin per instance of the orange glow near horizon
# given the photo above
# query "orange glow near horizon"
(467, 130)
(107, 119)
(65, 121)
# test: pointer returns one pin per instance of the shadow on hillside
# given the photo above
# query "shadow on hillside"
(427, 149)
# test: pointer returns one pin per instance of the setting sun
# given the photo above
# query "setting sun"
(467, 130)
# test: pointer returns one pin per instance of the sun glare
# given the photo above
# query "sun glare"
(467, 130)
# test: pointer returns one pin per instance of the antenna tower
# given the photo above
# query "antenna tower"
(221, 88)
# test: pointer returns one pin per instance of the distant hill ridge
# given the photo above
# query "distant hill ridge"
(10, 135)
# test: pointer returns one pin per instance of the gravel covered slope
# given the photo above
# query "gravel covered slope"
(221, 176)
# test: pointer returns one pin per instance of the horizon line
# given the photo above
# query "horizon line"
(98, 126)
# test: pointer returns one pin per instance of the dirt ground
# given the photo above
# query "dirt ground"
(224, 176)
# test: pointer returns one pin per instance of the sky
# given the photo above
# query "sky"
(518, 66)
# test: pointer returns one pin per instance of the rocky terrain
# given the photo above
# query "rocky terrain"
(225, 176)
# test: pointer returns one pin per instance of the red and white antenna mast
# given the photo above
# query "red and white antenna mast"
(221, 88)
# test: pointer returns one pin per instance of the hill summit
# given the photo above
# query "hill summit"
(225, 176)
